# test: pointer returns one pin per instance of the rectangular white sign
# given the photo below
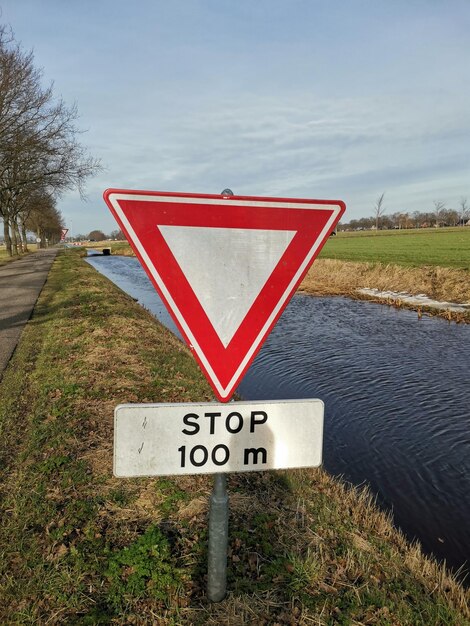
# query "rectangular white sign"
(208, 437)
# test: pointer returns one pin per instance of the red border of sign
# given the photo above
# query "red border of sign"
(221, 364)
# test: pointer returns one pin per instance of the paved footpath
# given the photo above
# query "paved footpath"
(21, 282)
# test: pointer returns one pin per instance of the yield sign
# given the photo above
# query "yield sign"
(63, 233)
(225, 266)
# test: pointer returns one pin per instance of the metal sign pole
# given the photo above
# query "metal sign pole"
(218, 530)
(218, 540)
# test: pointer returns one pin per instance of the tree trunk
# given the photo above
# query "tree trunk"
(6, 235)
(25, 239)
(19, 240)
(14, 242)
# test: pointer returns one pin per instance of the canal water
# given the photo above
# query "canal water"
(397, 400)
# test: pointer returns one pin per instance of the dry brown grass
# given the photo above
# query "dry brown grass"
(122, 248)
(359, 507)
(329, 276)
(333, 277)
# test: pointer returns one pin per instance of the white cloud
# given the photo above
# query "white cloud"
(306, 100)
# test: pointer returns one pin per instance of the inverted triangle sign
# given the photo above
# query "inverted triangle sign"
(225, 266)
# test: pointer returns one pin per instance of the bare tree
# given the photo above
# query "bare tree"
(44, 219)
(439, 208)
(35, 205)
(118, 235)
(449, 217)
(417, 218)
(38, 138)
(464, 210)
(379, 210)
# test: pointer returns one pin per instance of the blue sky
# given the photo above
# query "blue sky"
(314, 99)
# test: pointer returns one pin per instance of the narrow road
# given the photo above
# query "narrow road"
(21, 282)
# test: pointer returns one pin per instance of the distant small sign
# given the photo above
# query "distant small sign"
(205, 438)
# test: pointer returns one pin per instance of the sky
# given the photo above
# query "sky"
(326, 99)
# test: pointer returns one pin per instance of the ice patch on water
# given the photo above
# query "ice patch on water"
(421, 299)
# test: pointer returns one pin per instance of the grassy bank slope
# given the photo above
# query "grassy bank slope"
(78, 546)
(434, 262)
(445, 284)
(4, 258)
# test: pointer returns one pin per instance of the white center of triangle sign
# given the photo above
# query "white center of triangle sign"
(225, 266)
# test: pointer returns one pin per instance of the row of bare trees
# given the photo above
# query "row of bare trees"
(40, 156)
(99, 235)
(438, 216)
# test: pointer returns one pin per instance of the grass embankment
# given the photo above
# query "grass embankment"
(117, 247)
(122, 248)
(79, 546)
(330, 276)
(4, 257)
(434, 262)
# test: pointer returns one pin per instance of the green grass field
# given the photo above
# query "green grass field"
(447, 247)
(3, 255)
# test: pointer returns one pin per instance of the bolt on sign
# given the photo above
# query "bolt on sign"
(225, 266)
